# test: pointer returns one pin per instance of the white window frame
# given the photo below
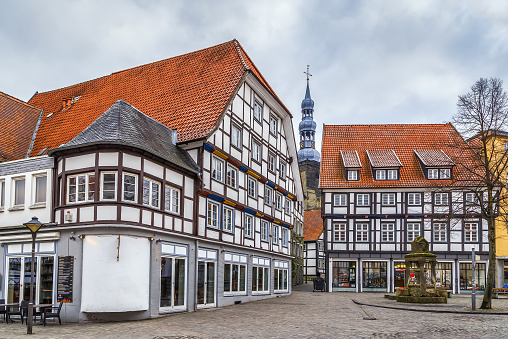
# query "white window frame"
(433, 173)
(14, 194)
(228, 225)
(135, 176)
(352, 175)
(239, 260)
(470, 232)
(258, 111)
(340, 199)
(387, 232)
(236, 136)
(380, 174)
(217, 169)
(282, 169)
(440, 232)
(392, 175)
(103, 190)
(2, 195)
(439, 201)
(340, 232)
(278, 201)
(445, 173)
(264, 265)
(287, 206)
(388, 199)
(275, 234)
(86, 191)
(413, 231)
(265, 231)
(249, 226)
(232, 176)
(172, 199)
(256, 151)
(412, 197)
(272, 162)
(213, 214)
(362, 199)
(471, 199)
(268, 198)
(151, 191)
(252, 187)
(274, 125)
(285, 239)
(362, 232)
(35, 189)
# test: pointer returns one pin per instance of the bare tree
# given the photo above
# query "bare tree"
(482, 119)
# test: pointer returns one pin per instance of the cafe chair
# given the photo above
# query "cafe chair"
(17, 310)
(3, 309)
(54, 312)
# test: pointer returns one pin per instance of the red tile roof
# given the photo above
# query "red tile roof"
(18, 121)
(312, 225)
(187, 93)
(434, 157)
(403, 140)
(350, 159)
(383, 158)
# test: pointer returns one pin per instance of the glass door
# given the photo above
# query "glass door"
(173, 283)
(18, 279)
(206, 283)
(14, 281)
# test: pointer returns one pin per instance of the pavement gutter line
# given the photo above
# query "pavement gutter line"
(428, 311)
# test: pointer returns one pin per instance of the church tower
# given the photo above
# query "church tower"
(309, 158)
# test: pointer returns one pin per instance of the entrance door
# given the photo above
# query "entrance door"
(18, 279)
(173, 283)
(206, 283)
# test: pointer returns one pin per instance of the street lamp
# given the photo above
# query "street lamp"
(34, 225)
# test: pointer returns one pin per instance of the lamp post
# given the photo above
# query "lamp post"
(34, 225)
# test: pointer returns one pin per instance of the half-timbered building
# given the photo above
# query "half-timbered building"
(384, 185)
(175, 187)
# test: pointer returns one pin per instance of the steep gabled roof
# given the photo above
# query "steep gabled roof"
(312, 225)
(18, 121)
(187, 93)
(402, 140)
(122, 124)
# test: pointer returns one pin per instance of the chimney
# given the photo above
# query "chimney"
(66, 103)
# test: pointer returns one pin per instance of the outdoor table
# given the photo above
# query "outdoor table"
(42, 308)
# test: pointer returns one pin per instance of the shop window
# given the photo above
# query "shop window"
(260, 275)
(235, 273)
(280, 276)
(344, 274)
(374, 274)
(466, 276)
(80, 188)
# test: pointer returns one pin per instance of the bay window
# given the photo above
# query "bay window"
(80, 188)
(108, 185)
(151, 193)
(130, 182)
(172, 199)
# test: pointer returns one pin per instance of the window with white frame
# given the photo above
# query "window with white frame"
(268, 195)
(441, 199)
(380, 174)
(172, 199)
(388, 199)
(235, 273)
(387, 232)
(236, 136)
(414, 199)
(340, 232)
(471, 232)
(444, 173)
(249, 226)
(275, 234)
(19, 191)
(264, 230)
(287, 206)
(130, 183)
(151, 192)
(80, 188)
(274, 122)
(280, 276)
(362, 232)
(252, 186)
(285, 237)
(272, 161)
(108, 185)
(256, 151)
(471, 199)
(413, 231)
(433, 173)
(392, 174)
(217, 169)
(232, 176)
(212, 216)
(282, 169)
(340, 200)
(362, 199)
(260, 275)
(440, 232)
(352, 175)
(228, 220)
(41, 183)
(439, 173)
(258, 111)
(2, 194)
(278, 201)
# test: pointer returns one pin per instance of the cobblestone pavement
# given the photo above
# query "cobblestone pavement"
(303, 314)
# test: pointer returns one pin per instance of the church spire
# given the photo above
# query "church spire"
(307, 127)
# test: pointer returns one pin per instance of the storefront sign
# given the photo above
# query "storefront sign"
(65, 272)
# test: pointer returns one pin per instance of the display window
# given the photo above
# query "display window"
(344, 275)
(466, 276)
(374, 274)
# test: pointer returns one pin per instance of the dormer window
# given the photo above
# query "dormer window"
(436, 164)
(352, 165)
(385, 164)
(439, 173)
(352, 175)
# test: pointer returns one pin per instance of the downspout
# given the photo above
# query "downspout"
(196, 275)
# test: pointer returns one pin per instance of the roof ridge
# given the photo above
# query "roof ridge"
(379, 125)
(240, 54)
(18, 100)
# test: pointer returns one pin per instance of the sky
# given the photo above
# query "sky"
(372, 62)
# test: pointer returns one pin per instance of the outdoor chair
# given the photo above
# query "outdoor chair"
(17, 310)
(54, 312)
(3, 309)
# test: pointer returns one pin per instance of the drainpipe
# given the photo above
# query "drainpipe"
(196, 275)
